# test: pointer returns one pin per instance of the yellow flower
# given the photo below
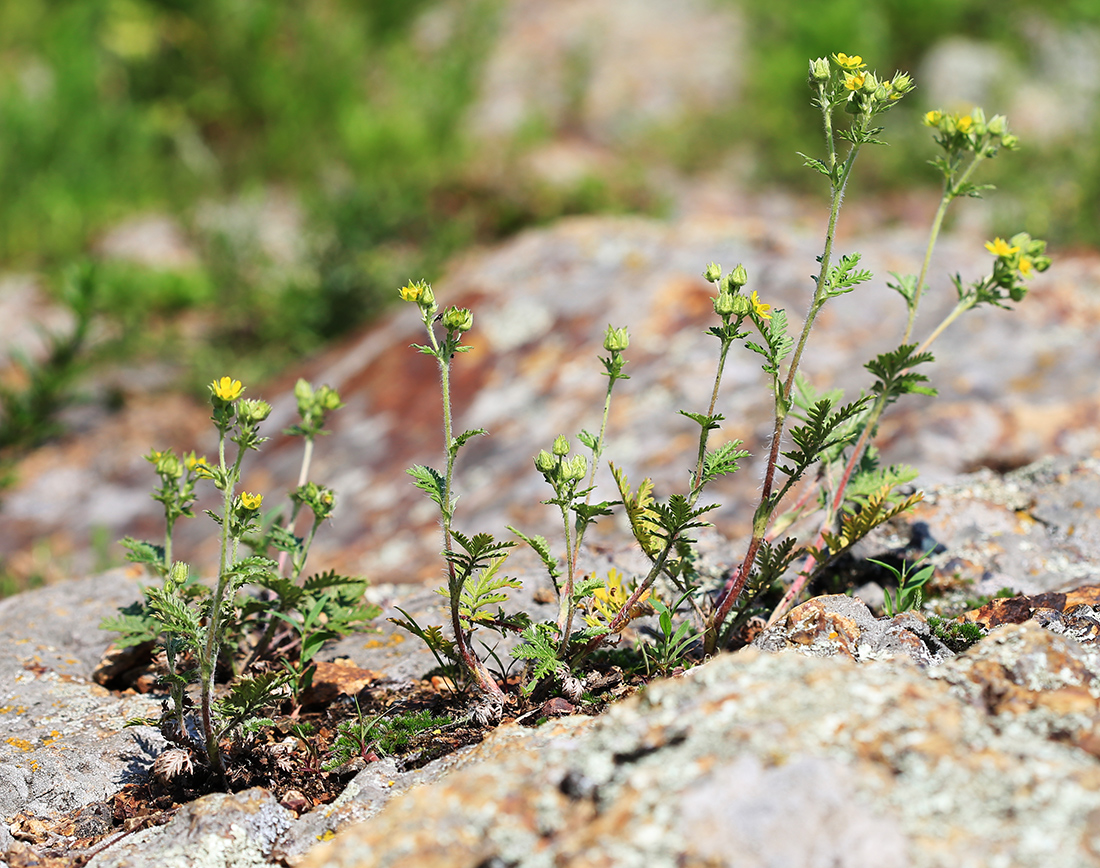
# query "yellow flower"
(854, 82)
(758, 307)
(1026, 266)
(846, 62)
(411, 292)
(933, 118)
(226, 389)
(964, 123)
(194, 461)
(1000, 247)
(251, 501)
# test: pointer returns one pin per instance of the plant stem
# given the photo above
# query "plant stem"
(209, 661)
(454, 585)
(704, 435)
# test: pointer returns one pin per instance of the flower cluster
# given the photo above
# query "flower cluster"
(559, 471)
(1017, 259)
(971, 132)
(844, 79)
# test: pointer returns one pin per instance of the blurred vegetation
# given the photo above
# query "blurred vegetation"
(110, 108)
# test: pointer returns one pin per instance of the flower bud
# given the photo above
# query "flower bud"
(731, 305)
(544, 461)
(723, 304)
(253, 411)
(165, 463)
(1009, 142)
(998, 125)
(819, 70)
(713, 273)
(901, 83)
(738, 277)
(561, 445)
(616, 340)
(576, 467)
(458, 319)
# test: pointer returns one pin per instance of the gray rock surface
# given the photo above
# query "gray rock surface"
(755, 759)
(62, 743)
(888, 749)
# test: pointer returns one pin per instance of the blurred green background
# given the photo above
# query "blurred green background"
(351, 120)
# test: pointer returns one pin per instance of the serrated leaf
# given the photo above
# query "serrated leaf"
(542, 549)
(485, 589)
(707, 423)
(142, 552)
(639, 511)
(876, 510)
(430, 481)
(461, 440)
(815, 164)
(723, 460)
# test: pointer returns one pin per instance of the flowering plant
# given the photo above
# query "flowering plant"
(265, 640)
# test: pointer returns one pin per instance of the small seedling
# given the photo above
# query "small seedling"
(909, 595)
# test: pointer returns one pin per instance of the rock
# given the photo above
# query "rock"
(554, 64)
(541, 303)
(888, 749)
(840, 625)
(63, 743)
(875, 764)
(222, 830)
(1034, 530)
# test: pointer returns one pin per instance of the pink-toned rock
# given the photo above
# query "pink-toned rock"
(541, 303)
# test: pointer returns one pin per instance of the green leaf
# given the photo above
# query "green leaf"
(723, 460)
(815, 164)
(539, 647)
(461, 440)
(843, 277)
(894, 377)
(430, 481)
(589, 439)
(142, 552)
(778, 343)
(824, 429)
(707, 423)
(542, 549)
(485, 589)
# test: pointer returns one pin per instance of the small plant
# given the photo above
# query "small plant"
(203, 630)
(382, 735)
(820, 446)
(672, 643)
(909, 595)
(956, 635)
